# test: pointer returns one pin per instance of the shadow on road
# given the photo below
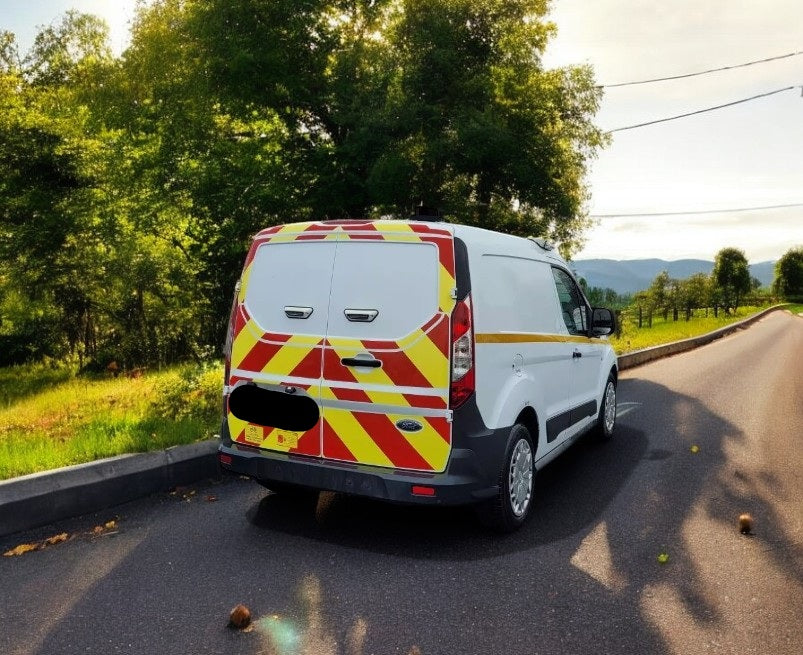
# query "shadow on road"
(582, 576)
(569, 495)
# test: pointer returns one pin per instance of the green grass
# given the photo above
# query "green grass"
(795, 308)
(52, 420)
(668, 331)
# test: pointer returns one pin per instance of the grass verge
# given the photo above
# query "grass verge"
(71, 420)
(661, 332)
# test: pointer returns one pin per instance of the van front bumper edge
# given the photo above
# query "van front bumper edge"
(459, 485)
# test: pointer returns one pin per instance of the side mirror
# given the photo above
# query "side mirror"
(603, 322)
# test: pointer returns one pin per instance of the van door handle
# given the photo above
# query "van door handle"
(576, 354)
(361, 315)
(297, 312)
(360, 361)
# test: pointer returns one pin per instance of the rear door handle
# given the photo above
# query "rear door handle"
(576, 354)
(292, 311)
(361, 315)
(361, 361)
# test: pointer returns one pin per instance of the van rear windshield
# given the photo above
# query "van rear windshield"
(397, 280)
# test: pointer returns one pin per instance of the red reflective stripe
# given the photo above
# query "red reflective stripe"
(439, 336)
(445, 252)
(351, 395)
(333, 369)
(442, 427)
(333, 447)
(260, 355)
(402, 371)
(309, 443)
(429, 402)
(310, 366)
(391, 442)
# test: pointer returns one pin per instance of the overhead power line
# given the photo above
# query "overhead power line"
(702, 111)
(702, 211)
(705, 72)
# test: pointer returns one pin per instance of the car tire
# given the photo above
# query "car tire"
(606, 421)
(509, 509)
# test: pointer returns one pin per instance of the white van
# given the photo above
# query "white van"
(412, 361)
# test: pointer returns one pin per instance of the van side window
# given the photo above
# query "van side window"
(573, 307)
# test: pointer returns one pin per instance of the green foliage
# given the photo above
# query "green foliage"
(130, 186)
(788, 281)
(731, 277)
(190, 392)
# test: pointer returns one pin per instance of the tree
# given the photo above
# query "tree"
(659, 293)
(731, 277)
(788, 281)
(386, 104)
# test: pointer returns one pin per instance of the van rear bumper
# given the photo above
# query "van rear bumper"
(461, 484)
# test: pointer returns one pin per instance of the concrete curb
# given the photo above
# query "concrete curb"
(639, 357)
(34, 500)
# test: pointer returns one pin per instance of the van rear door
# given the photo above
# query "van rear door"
(280, 318)
(384, 392)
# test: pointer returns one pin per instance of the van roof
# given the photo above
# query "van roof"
(474, 237)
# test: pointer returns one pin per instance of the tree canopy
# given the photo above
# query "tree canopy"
(731, 277)
(129, 186)
(788, 281)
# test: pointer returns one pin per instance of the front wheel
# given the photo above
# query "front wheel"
(606, 421)
(508, 510)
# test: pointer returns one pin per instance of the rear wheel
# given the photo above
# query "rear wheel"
(606, 421)
(509, 509)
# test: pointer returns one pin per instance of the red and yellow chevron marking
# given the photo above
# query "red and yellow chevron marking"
(373, 438)
(419, 360)
(302, 443)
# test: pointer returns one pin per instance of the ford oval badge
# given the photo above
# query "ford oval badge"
(408, 425)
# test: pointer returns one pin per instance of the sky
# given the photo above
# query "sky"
(749, 155)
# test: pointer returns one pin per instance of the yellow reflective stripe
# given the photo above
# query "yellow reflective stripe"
(236, 426)
(430, 361)
(387, 398)
(445, 285)
(245, 340)
(353, 435)
(290, 355)
(244, 283)
(427, 442)
(493, 337)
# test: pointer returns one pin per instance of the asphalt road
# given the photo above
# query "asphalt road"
(353, 577)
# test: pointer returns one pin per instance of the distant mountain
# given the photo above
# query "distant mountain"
(634, 275)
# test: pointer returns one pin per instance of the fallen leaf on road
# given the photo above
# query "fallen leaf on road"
(110, 525)
(695, 449)
(20, 550)
(663, 558)
(57, 539)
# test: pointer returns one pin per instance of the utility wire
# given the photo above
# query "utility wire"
(694, 213)
(705, 72)
(702, 111)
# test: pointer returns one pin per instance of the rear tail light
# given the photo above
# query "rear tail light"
(462, 354)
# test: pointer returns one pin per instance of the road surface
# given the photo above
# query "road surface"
(702, 437)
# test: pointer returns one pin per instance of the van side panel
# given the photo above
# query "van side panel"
(521, 360)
